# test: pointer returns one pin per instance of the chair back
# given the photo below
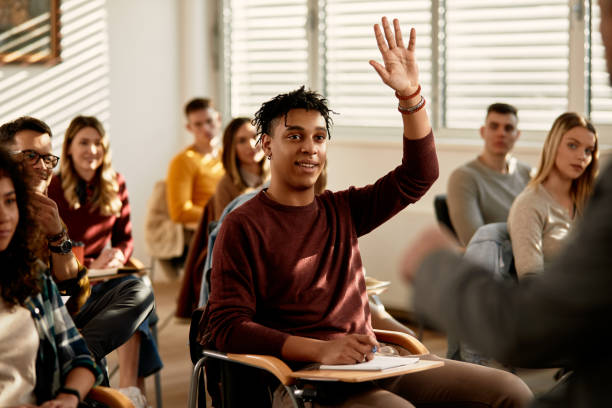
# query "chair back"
(442, 215)
(491, 247)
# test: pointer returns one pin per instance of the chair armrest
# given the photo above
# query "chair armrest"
(134, 263)
(273, 365)
(110, 397)
(401, 339)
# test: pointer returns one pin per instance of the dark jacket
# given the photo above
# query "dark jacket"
(560, 318)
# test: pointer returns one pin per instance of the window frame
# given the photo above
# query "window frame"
(579, 82)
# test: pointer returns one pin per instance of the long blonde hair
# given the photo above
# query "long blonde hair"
(582, 186)
(231, 163)
(106, 188)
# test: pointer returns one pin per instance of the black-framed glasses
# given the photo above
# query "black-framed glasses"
(32, 157)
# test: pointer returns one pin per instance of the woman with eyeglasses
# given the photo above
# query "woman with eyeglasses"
(44, 358)
(92, 199)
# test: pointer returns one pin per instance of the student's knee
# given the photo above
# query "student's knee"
(514, 392)
(138, 295)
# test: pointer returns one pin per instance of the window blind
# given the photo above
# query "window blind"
(601, 93)
(353, 87)
(268, 51)
(513, 51)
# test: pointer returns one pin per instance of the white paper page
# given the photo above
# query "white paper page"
(94, 273)
(378, 363)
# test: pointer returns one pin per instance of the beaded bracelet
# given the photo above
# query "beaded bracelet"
(405, 98)
(412, 109)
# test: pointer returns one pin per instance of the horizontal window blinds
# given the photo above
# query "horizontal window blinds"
(268, 51)
(601, 93)
(513, 51)
(354, 88)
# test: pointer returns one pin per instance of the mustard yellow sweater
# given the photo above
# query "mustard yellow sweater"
(191, 181)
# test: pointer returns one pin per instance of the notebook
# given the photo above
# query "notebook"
(378, 363)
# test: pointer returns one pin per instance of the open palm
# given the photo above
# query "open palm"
(400, 70)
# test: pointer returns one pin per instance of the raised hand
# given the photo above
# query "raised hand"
(400, 70)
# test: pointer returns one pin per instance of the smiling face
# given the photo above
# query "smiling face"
(87, 152)
(298, 146)
(9, 212)
(39, 174)
(575, 153)
(499, 133)
(248, 151)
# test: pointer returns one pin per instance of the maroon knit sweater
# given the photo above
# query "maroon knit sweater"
(92, 228)
(282, 270)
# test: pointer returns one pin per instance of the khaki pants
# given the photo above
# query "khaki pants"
(456, 384)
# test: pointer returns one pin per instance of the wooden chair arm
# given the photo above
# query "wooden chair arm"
(110, 397)
(401, 339)
(269, 363)
(134, 263)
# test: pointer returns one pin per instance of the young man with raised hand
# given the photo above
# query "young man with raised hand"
(287, 275)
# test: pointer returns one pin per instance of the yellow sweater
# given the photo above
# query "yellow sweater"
(192, 180)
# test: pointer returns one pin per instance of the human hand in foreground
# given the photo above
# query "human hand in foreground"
(350, 349)
(400, 70)
(108, 258)
(427, 241)
(45, 214)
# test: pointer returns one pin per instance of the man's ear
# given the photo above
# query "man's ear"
(188, 127)
(482, 130)
(266, 140)
(518, 134)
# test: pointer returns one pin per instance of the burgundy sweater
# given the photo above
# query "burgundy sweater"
(283, 270)
(92, 228)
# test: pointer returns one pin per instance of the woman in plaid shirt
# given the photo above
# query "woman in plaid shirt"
(43, 358)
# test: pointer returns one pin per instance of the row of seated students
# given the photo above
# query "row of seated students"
(558, 313)
(539, 210)
(87, 201)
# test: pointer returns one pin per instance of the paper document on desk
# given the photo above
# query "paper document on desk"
(96, 273)
(378, 363)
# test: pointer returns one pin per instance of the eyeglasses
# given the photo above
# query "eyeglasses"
(32, 157)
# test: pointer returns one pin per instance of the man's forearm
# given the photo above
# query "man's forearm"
(416, 125)
(298, 348)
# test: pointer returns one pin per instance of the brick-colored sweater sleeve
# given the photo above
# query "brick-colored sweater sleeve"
(179, 190)
(122, 228)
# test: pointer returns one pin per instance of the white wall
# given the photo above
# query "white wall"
(145, 109)
(359, 163)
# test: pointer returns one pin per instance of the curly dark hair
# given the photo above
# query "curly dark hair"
(20, 276)
(281, 104)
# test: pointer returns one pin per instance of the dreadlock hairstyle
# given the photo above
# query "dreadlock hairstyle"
(19, 277)
(280, 105)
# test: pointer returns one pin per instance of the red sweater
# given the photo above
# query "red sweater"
(281, 270)
(92, 228)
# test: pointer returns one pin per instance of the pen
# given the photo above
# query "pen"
(374, 349)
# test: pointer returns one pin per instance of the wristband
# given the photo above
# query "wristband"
(71, 391)
(56, 237)
(412, 109)
(405, 98)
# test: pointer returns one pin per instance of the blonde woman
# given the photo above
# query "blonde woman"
(93, 202)
(543, 214)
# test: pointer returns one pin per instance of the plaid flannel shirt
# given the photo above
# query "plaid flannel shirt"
(61, 346)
